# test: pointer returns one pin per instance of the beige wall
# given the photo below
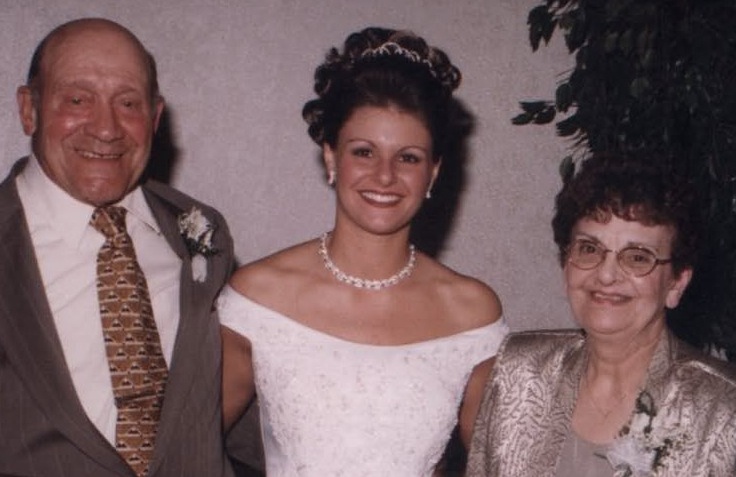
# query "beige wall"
(236, 74)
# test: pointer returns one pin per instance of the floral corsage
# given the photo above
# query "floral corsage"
(646, 442)
(197, 232)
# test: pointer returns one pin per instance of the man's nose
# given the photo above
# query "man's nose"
(105, 123)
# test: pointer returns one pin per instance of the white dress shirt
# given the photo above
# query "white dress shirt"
(66, 248)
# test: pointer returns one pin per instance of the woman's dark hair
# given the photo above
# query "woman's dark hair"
(382, 67)
(640, 189)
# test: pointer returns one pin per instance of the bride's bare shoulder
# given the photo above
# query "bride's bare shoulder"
(268, 275)
(473, 301)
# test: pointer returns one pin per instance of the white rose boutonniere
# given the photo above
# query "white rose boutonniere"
(197, 232)
(646, 442)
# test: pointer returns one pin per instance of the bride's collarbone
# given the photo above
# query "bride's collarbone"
(374, 326)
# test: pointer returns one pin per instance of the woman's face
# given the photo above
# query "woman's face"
(606, 301)
(383, 165)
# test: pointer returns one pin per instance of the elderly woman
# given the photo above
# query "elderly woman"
(622, 396)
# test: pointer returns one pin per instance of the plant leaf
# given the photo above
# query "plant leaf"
(533, 107)
(566, 169)
(540, 25)
(639, 87)
(568, 126)
(545, 116)
(563, 97)
(521, 119)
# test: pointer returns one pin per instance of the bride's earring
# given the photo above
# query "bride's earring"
(331, 177)
(428, 195)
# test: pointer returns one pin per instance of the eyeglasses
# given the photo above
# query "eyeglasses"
(636, 261)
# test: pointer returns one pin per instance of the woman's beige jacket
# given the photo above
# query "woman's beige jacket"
(527, 406)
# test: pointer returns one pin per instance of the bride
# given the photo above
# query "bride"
(364, 352)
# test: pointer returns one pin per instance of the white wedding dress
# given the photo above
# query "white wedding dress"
(331, 407)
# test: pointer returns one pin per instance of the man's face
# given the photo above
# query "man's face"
(93, 121)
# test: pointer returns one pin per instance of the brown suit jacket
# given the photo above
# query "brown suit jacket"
(44, 431)
(528, 403)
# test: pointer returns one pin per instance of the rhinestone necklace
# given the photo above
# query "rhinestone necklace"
(362, 282)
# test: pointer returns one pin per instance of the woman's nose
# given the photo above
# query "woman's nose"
(386, 171)
(609, 270)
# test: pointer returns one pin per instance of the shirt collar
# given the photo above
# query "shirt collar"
(137, 206)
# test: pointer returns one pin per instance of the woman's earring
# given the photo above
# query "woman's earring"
(428, 195)
(331, 177)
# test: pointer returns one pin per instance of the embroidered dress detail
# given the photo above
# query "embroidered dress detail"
(332, 407)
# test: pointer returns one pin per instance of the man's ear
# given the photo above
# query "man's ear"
(26, 110)
(158, 109)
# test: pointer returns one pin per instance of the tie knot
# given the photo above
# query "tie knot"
(109, 221)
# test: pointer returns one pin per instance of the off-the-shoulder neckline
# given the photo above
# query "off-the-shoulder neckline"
(499, 325)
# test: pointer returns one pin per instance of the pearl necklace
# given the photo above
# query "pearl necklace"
(362, 282)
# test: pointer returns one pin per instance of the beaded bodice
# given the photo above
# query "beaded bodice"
(339, 408)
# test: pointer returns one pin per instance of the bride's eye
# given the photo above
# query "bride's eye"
(362, 152)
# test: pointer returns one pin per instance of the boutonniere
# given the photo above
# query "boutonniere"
(197, 232)
(646, 442)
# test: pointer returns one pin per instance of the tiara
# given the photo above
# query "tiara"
(391, 48)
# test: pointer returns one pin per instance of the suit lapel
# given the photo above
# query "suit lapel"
(195, 301)
(28, 334)
(167, 217)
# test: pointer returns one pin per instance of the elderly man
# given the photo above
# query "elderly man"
(109, 354)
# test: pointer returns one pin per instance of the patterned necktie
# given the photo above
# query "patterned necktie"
(137, 365)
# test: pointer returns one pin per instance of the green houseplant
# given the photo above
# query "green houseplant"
(657, 77)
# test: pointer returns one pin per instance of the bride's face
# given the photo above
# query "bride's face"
(384, 165)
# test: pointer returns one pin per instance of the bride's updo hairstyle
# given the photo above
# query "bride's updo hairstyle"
(381, 67)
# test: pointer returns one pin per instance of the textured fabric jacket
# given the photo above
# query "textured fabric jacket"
(527, 406)
(44, 431)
